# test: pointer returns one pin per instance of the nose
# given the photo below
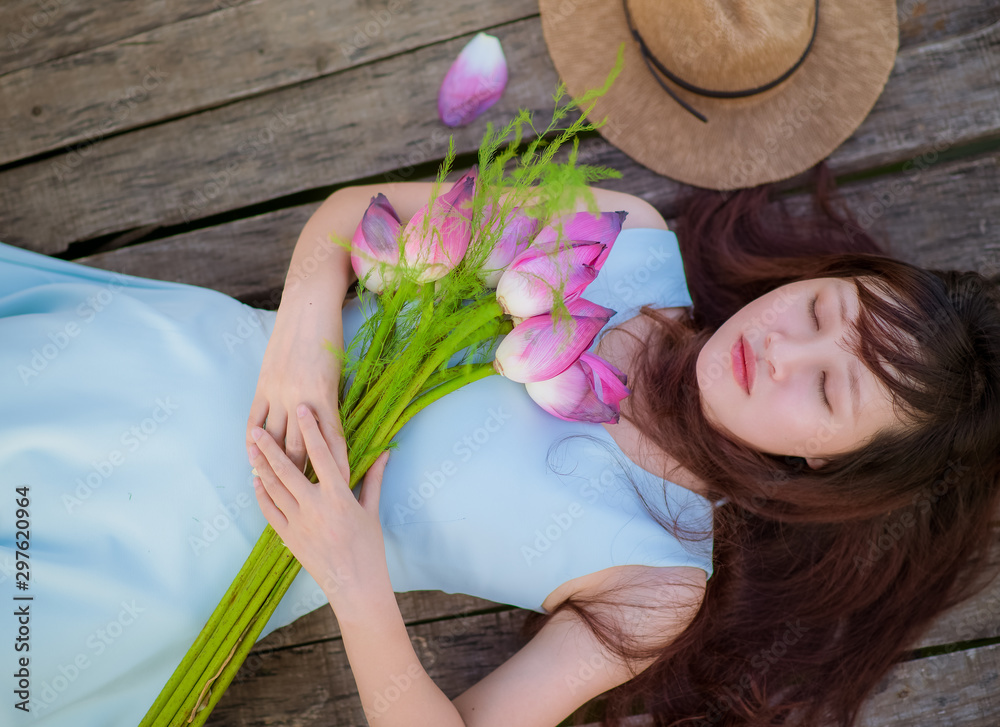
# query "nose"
(784, 355)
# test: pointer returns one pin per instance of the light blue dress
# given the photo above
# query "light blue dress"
(124, 410)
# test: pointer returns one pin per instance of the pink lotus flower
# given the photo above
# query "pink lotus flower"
(584, 227)
(535, 277)
(474, 82)
(375, 245)
(437, 236)
(590, 390)
(544, 346)
(513, 240)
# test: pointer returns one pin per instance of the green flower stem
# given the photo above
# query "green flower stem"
(480, 321)
(253, 579)
(466, 374)
(461, 337)
(234, 623)
(288, 567)
(256, 563)
(374, 403)
(374, 391)
(443, 376)
(219, 665)
(385, 326)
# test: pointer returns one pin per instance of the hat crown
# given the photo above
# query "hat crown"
(725, 45)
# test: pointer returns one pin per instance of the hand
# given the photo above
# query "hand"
(297, 367)
(335, 537)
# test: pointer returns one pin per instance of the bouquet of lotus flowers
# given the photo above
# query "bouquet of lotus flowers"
(498, 258)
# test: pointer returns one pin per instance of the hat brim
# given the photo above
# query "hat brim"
(746, 141)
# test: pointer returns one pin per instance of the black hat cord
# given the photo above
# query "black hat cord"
(654, 65)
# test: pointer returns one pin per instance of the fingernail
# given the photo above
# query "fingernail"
(254, 452)
(256, 432)
(303, 410)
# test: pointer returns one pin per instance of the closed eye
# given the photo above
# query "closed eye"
(822, 376)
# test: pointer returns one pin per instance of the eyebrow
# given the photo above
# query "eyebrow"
(853, 374)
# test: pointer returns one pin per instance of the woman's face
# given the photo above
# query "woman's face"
(803, 392)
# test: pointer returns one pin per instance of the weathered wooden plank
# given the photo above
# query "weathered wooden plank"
(252, 151)
(951, 690)
(961, 76)
(962, 688)
(976, 618)
(247, 259)
(313, 684)
(415, 606)
(307, 137)
(106, 87)
(36, 31)
(269, 44)
(922, 21)
(177, 69)
(934, 213)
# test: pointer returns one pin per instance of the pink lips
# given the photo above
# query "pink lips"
(737, 356)
(749, 363)
(744, 365)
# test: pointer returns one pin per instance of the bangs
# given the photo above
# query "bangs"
(903, 339)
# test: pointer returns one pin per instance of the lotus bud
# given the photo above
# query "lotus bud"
(590, 390)
(474, 82)
(514, 239)
(535, 277)
(543, 346)
(583, 226)
(436, 250)
(375, 245)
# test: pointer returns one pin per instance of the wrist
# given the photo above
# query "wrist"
(362, 605)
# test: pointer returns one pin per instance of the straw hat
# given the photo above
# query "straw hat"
(805, 74)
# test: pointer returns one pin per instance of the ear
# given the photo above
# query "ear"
(816, 462)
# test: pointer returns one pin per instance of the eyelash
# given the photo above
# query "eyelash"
(822, 377)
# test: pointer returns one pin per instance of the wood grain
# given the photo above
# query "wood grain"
(37, 31)
(962, 688)
(177, 69)
(312, 684)
(305, 137)
(106, 87)
(942, 213)
(951, 690)
(921, 21)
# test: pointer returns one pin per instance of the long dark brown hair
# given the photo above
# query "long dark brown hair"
(822, 577)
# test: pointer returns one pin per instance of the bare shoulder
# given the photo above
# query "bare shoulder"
(634, 580)
(640, 212)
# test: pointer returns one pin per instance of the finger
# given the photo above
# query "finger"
(371, 488)
(333, 433)
(319, 451)
(257, 417)
(272, 513)
(279, 475)
(277, 423)
(295, 446)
